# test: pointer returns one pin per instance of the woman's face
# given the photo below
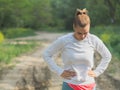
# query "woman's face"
(81, 32)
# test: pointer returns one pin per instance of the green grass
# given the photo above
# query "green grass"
(8, 51)
(17, 32)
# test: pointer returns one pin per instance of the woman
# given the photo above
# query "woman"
(77, 52)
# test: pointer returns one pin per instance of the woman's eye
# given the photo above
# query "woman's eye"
(79, 33)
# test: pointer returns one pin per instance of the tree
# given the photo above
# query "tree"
(13, 13)
(113, 6)
(41, 12)
(64, 11)
(6, 19)
(98, 11)
(104, 11)
(25, 13)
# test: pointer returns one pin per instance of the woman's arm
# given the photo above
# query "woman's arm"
(105, 54)
(49, 53)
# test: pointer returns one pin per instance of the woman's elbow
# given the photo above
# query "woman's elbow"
(109, 56)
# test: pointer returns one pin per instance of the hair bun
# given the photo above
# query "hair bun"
(81, 18)
(81, 12)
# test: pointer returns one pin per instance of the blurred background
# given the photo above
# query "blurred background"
(24, 18)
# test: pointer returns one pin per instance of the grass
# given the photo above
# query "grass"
(11, 50)
(17, 32)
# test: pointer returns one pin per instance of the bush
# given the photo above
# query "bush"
(110, 36)
(106, 37)
(9, 50)
(1, 37)
(17, 32)
(115, 43)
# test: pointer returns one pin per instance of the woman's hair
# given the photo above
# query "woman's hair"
(81, 18)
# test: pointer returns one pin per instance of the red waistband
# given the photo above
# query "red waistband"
(82, 87)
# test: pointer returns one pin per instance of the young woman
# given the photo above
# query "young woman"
(77, 52)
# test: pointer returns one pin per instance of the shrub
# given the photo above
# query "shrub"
(110, 36)
(1, 37)
(9, 50)
(17, 32)
(106, 37)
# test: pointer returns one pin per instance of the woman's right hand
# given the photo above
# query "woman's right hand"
(67, 74)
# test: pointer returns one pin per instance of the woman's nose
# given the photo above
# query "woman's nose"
(82, 36)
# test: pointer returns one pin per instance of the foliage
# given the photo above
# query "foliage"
(117, 13)
(9, 51)
(99, 12)
(17, 32)
(113, 6)
(104, 11)
(64, 11)
(1, 37)
(41, 12)
(24, 13)
(115, 44)
(106, 37)
(38, 14)
(110, 36)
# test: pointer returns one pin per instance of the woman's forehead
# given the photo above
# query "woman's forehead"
(86, 28)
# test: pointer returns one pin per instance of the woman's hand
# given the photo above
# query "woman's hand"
(91, 73)
(67, 74)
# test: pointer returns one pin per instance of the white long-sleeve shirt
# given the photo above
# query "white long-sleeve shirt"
(78, 56)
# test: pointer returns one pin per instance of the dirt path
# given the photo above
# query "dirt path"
(30, 71)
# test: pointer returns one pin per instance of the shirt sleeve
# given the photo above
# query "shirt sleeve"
(49, 53)
(105, 54)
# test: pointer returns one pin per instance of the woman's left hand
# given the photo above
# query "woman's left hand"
(91, 73)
